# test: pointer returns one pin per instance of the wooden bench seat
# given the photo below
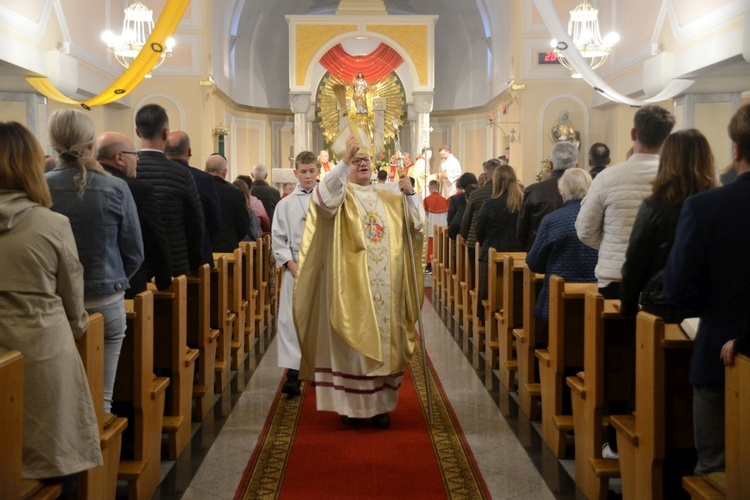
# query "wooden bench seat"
(11, 424)
(249, 293)
(237, 306)
(100, 480)
(436, 263)
(511, 316)
(456, 279)
(492, 305)
(172, 355)
(533, 333)
(221, 320)
(564, 354)
(269, 292)
(449, 268)
(477, 327)
(201, 336)
(261, 285)
(467, 285)
(138, 388)
(734, 484)
(605, 379)
(663, 408)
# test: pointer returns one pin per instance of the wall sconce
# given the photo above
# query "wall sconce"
(512, 138)
(220, 129)
(220, 132)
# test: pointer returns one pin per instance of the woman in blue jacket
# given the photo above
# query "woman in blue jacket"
(105, 224)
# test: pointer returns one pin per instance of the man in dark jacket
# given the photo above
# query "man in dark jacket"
(543, 197)
(707, 272)
(267, 195)
(178, 150)
(235, 219)
(116, 153)
(174, 187)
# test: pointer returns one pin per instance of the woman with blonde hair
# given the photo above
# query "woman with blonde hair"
(497, 221)
(42, 313)
(105, 224)
(686, 167)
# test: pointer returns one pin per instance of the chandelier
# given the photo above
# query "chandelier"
(583, 30)
(136, 28)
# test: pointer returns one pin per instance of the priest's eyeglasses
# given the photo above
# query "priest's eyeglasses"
(365, 160)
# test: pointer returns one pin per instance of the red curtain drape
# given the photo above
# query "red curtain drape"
(374, 66)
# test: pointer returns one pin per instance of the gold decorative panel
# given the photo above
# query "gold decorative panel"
(414, 39)
(309, 39)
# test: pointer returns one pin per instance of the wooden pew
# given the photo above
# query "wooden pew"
(563, 354)
(266, 269)
(459, 275)
(100, 480)
(492, 304)
(137, 386)
(511, 317)
(237, 306)
(11, 424)
(477, 328)
(663, 408)
(223, 321)
(602, 380)
(200, 335)
(261, 285)
(249, 293)
(437, 248)
(172, 353)
(467, 285)
(734, 484)
(527, 338)
(11, 436)
(446, 256)
(449, 268)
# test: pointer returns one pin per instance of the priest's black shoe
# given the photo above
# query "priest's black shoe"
(382, 421)
(348, 420)
(292, 384)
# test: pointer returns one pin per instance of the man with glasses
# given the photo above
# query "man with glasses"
(116, 153)
(356, 301)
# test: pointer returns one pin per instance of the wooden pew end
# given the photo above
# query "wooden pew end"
(625, 425)
(534, 390)
(576, 386)
(543, 356)
(605, 467)
(40, 490)
(701, 487)
(563, 422)
(131, 470)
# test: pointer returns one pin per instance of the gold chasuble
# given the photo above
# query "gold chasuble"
(336, 296)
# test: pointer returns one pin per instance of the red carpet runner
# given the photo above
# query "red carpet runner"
(304, 453)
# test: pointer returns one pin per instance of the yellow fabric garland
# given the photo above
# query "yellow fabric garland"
(136, 72)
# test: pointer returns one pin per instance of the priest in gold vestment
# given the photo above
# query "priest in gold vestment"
(356, 302)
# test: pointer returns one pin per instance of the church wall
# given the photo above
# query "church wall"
(712, 119)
